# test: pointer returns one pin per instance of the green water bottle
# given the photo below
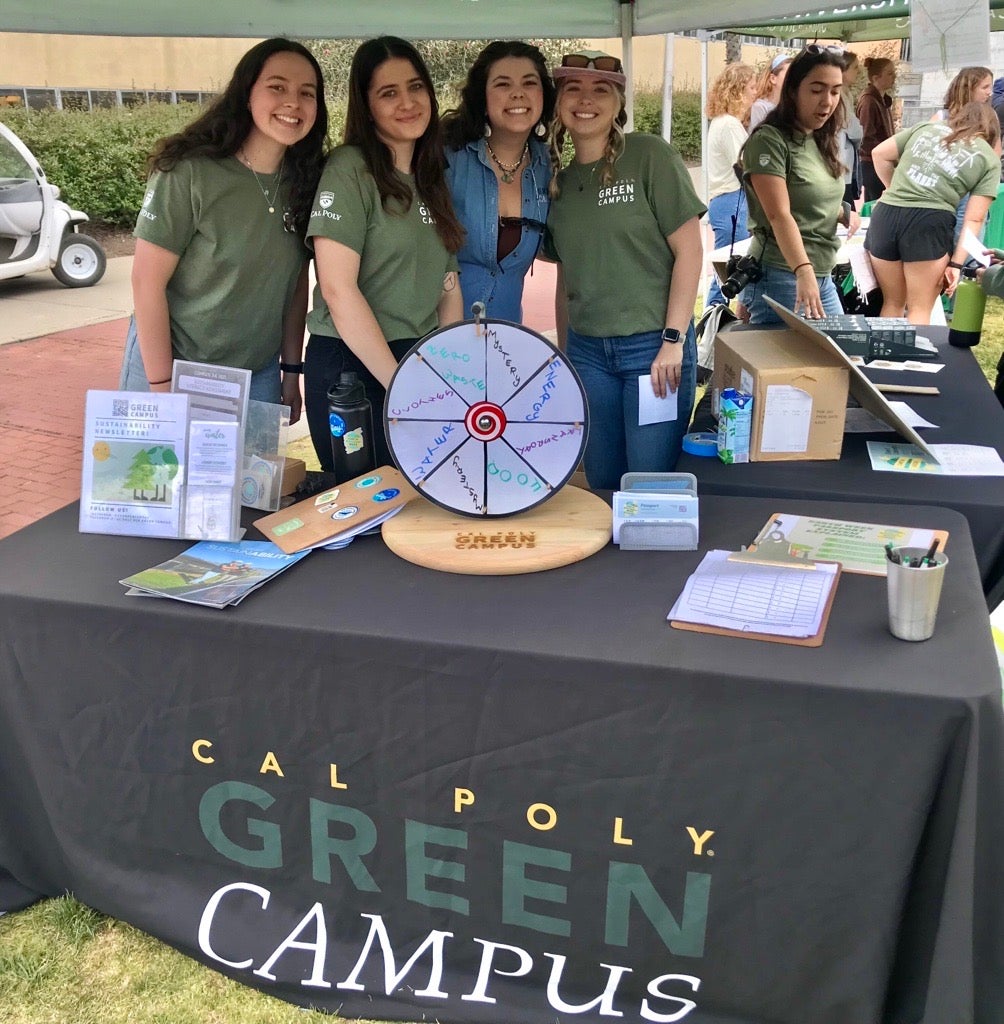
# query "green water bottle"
(967, 319)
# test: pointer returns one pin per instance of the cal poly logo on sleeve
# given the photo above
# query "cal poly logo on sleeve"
(764, 159)
(147, 200)
(325, 199)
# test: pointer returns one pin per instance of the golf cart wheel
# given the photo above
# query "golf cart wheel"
(81, 261)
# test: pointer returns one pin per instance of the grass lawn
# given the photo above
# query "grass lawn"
(62, 963)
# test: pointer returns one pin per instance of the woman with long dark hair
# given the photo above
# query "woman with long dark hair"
(384, 233)
(927, 169)
(220, 271)
(624, 226)
(794, 181)
(499, 171)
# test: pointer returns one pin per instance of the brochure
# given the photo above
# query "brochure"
(214, 573)
(134, 463)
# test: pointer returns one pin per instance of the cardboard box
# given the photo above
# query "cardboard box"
(799, 392)
(294, 472)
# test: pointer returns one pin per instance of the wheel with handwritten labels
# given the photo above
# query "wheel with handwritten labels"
(486, 418)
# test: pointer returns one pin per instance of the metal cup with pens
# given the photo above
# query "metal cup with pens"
(914, 577)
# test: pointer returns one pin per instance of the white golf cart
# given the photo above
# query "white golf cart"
(37, 230)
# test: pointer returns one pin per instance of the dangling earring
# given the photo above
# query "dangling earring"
(541, 130)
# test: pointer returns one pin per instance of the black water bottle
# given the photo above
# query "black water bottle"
(350, 417)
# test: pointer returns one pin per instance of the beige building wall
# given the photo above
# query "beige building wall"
(118, 62)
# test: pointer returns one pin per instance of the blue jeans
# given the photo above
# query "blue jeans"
(780, 286)
(721, 210)
(609, 369)
(265, 383)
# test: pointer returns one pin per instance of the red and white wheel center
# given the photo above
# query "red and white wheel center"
(485, 421)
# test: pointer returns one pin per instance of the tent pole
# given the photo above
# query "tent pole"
(627, 32)
(668, 66)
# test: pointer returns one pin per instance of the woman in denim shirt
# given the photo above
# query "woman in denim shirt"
(499, 171)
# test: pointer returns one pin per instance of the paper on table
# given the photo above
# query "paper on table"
(652, 409)
(787, 416)
(953, 459)
(755, 598)
(906, 364)
(861, 421)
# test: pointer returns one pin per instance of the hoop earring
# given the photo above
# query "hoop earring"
(541, 130)
(487, 130)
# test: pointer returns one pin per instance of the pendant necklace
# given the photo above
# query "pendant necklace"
(264, 191)
(508, 170)
(579, 178)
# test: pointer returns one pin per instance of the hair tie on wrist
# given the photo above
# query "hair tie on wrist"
(799, 267)
(290, 367)
(954, 265)
(156, 383)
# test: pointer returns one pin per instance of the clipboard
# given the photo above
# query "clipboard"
(784, 560)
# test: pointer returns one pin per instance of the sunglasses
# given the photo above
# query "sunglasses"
(816, 49)
(579, 60)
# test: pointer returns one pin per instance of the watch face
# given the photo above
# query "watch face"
(672, 335)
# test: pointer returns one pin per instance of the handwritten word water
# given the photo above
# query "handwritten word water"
(430, 453)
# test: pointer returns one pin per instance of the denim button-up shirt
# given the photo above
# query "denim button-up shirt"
(475, 192)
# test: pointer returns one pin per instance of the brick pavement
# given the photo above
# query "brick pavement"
(42, 388)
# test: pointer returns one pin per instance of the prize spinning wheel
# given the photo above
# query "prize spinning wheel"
(486, 418)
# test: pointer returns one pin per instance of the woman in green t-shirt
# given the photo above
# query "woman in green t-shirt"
(794, 181)
(220, 270)
(927, 170)
(624, 227)
(385, 237)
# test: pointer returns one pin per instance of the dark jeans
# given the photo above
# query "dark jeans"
(872, 182)
(326, 359)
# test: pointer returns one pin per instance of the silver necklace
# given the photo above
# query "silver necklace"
(264, 191)
(579, 175)
(508, 170)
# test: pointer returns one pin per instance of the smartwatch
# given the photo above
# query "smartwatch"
(671, 336)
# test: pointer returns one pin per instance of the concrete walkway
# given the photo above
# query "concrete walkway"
(55, 344)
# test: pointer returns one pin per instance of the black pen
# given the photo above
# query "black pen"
(931, 552)
(890, 554)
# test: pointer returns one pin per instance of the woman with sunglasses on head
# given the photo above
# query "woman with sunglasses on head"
(624, 227)
(768, 90)
(385, 236)
(220, 270)
(794, 181)
(874, 110)
(498, 172)
(729, 100)
(926, 169)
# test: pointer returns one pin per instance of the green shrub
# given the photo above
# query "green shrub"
(98, 159)
(686, 119)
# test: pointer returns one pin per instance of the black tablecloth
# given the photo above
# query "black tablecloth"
(543, 790)
(966, 411)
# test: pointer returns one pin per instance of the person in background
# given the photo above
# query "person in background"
(794, 181)
(624, 226)
(729, 101)
(499, 171)
(972, 84)
(768, 90)
(220, 270)
(385, 236)
(926, 169)
(874, 111)
(850, 134)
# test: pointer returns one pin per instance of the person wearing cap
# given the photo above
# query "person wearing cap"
(624, 227)
(768, 90)
(794, 181)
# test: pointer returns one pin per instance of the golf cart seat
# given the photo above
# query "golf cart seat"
(20, 212)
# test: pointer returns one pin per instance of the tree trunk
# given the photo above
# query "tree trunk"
(733, 48)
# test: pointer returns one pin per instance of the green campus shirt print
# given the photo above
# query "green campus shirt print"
(237, 267)
(611, 239)
(402, 260)
(936, 177)
(814, 196)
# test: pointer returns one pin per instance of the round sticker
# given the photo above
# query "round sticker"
(337, 424)
(368, 481)
(764, 159)
(388, 494)
(345, 513)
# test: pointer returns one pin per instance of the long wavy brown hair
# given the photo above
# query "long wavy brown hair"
(428, 162)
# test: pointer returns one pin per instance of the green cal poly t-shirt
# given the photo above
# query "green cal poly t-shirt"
(936, 177)
(402, 260)
(237, 266)
(813, 194)
(611, 239)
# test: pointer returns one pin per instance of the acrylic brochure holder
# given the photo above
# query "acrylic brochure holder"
(656, 512)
